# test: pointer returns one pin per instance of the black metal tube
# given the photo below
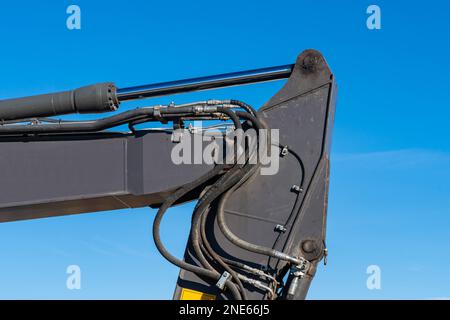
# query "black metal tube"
(95, 98)
(205, 83)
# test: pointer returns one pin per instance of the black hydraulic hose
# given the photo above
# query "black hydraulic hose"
(297, 199)
(101, 124)
(224, 182)
(228, 179)
(230, 235)
(232, 115)
(210, 271)
(79, 126)
(202, 204)
(240, 242)
(215, 257)
(218, 257)
(135, 116)
(245, 106)
(197, 231)
(207, 198)
(224, 262)
(254, 120)
(166, 254)
(250, 170)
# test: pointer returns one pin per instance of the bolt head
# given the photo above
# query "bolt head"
(310, 62)
(308, 246)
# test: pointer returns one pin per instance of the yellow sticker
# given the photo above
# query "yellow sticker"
(188, 294)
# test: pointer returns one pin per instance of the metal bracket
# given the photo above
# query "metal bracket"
(280, 228)
(222, 280)
(297, 188)
(157, 114)
(284, 151)
(301, 269)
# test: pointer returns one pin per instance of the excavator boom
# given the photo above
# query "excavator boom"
(258, 229)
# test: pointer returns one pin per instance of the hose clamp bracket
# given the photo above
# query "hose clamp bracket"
(222, 280)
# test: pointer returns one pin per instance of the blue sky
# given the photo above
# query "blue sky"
(389, 194)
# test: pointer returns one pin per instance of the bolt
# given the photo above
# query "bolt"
(297, 188)
(310, 62)
(284, 151)
(280, 228)
(308, 246)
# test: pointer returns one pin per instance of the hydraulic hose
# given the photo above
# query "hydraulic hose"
(203, 204)
(245, 106)
(297, 202)
(210, 271)
(165, 253)
(250, 170)
(240, 242)
(198, 233)
(79, 126)
(215, 257)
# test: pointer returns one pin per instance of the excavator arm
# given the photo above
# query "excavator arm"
(258, 229)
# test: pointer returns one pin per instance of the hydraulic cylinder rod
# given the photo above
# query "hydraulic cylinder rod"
(205, 83)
